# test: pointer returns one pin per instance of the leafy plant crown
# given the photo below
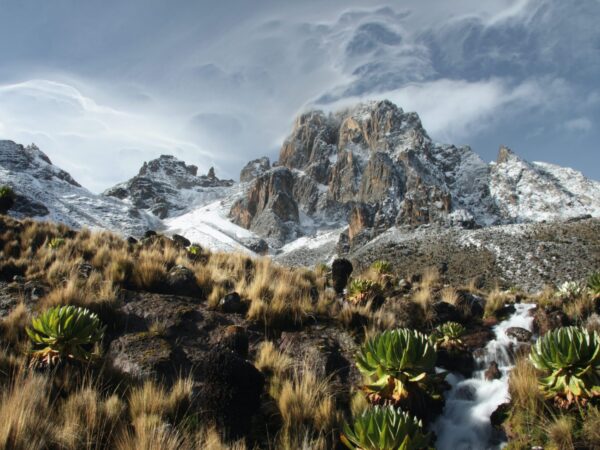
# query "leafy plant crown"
(570, 358)
(360, 289)
(6, 191)
(403, 354)
(194, 249)
(570, 289)
(385, 428)
(64, 332)
(56, 242)
(382, 267)
(593, 283)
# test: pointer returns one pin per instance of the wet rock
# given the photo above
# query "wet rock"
(232, 303)
(466, 392)
(341, 269)
(477, 338)
(493, 372)
(520, 334)
(500, 415)
(181, 241)
(230, 391)
(182, 281)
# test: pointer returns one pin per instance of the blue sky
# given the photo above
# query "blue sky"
(102, 86)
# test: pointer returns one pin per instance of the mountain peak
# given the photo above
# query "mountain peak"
(167, 185)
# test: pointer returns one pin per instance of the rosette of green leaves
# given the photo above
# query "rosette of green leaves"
(382, 267)
(385, 428)
(396, 362)
(64, 332)
(361, 290)
(593, 283)
(569, 357)
(448, 335)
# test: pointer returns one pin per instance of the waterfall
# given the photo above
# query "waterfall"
(465, 421)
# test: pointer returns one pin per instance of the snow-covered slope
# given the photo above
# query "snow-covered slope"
(47, 192)
(535, 192)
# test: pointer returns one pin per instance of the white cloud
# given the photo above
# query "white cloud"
(579, 124)
(85, 138)
(452, 110)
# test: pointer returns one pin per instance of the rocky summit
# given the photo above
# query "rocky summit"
(164, 186)
(373, 167)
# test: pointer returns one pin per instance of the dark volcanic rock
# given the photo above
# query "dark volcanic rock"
(520, 334)
(230, 392)
(144, 356)
(232, 303)
(182, 281)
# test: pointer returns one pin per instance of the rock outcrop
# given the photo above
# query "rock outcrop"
(254, 169)
(166, 186)
(269, 208)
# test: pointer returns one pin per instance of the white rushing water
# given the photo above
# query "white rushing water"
(465, 422)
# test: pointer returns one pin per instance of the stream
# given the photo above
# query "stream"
(465, 421)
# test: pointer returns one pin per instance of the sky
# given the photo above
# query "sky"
(102, 86)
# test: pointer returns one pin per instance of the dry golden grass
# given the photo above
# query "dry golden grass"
(580, 308)
(275, 364)
(523, 386)
(591, 428)
(450, 295)
(24, 415)
(560, 431)
(424, 298)
(211, 440)
(494, 302)
(430, 278)
(12, 327)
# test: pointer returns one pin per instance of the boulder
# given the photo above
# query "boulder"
(182, 281)
(147, 356)
(520, 334)
(181, 241)
(493, 372)
(232, 303)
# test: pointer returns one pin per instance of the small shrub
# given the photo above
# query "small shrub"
(382, 267)
(570, 289)
(385, 428)
(65, 332)
(448, 335)
(593, 283)
(361, 290)
(56, 243)
(7, 198)
(569, 357)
